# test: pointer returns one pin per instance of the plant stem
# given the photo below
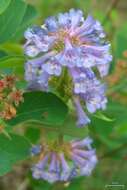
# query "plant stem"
(60, 139)
(112, 6)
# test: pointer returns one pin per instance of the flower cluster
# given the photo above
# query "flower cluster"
(10, 96)
(64, 162)
(69, 40)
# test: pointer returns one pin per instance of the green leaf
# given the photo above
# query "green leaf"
(121, 39)
(33, 134)
(102, 116)
(3, 5)
(76, 183)
(39, 184)
(117, 111)
(122, 130)
(68, 129)
(12, 49)
(43, 107)
(11, 19)
(12, 151)
(121, 45)
(107, 132)
(29, 16)
(2, 54)
(47, 111)
(16, 63)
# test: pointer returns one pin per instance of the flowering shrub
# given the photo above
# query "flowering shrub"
(62, 96)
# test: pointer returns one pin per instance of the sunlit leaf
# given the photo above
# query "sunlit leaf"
(3, 5)
(11, 19)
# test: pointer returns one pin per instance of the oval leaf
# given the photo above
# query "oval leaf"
(3, 5)
(40, 106)
(11, 18)
(11, 151)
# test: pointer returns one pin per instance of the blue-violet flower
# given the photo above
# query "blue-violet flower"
(73, 159)
(69, 40)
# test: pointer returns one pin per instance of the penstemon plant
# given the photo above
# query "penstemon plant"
(63, 100)
(70, 45)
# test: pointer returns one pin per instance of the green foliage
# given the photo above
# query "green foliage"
(28, 17)
(3, 5)
(39, 185)
(45, 108)
(12, 151)
(121, 39)
(108, 132)
(15, 63)
(33, 134)
(12, 25)
(68, 128)
(2, 54)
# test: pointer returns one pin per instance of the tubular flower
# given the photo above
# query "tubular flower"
(69, 40)
(71, 160)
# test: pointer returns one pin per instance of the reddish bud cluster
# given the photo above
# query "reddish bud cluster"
(10, 96)
(2, 85)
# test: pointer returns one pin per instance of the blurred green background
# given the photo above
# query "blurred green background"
(109, 131)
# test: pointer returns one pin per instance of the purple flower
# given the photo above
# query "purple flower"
(65, 168)
(77, 43)
(78, 158)
(37, 170)
(84, 156)
(82, 117)
(82, 143)
(52, 67)
(94, 97)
